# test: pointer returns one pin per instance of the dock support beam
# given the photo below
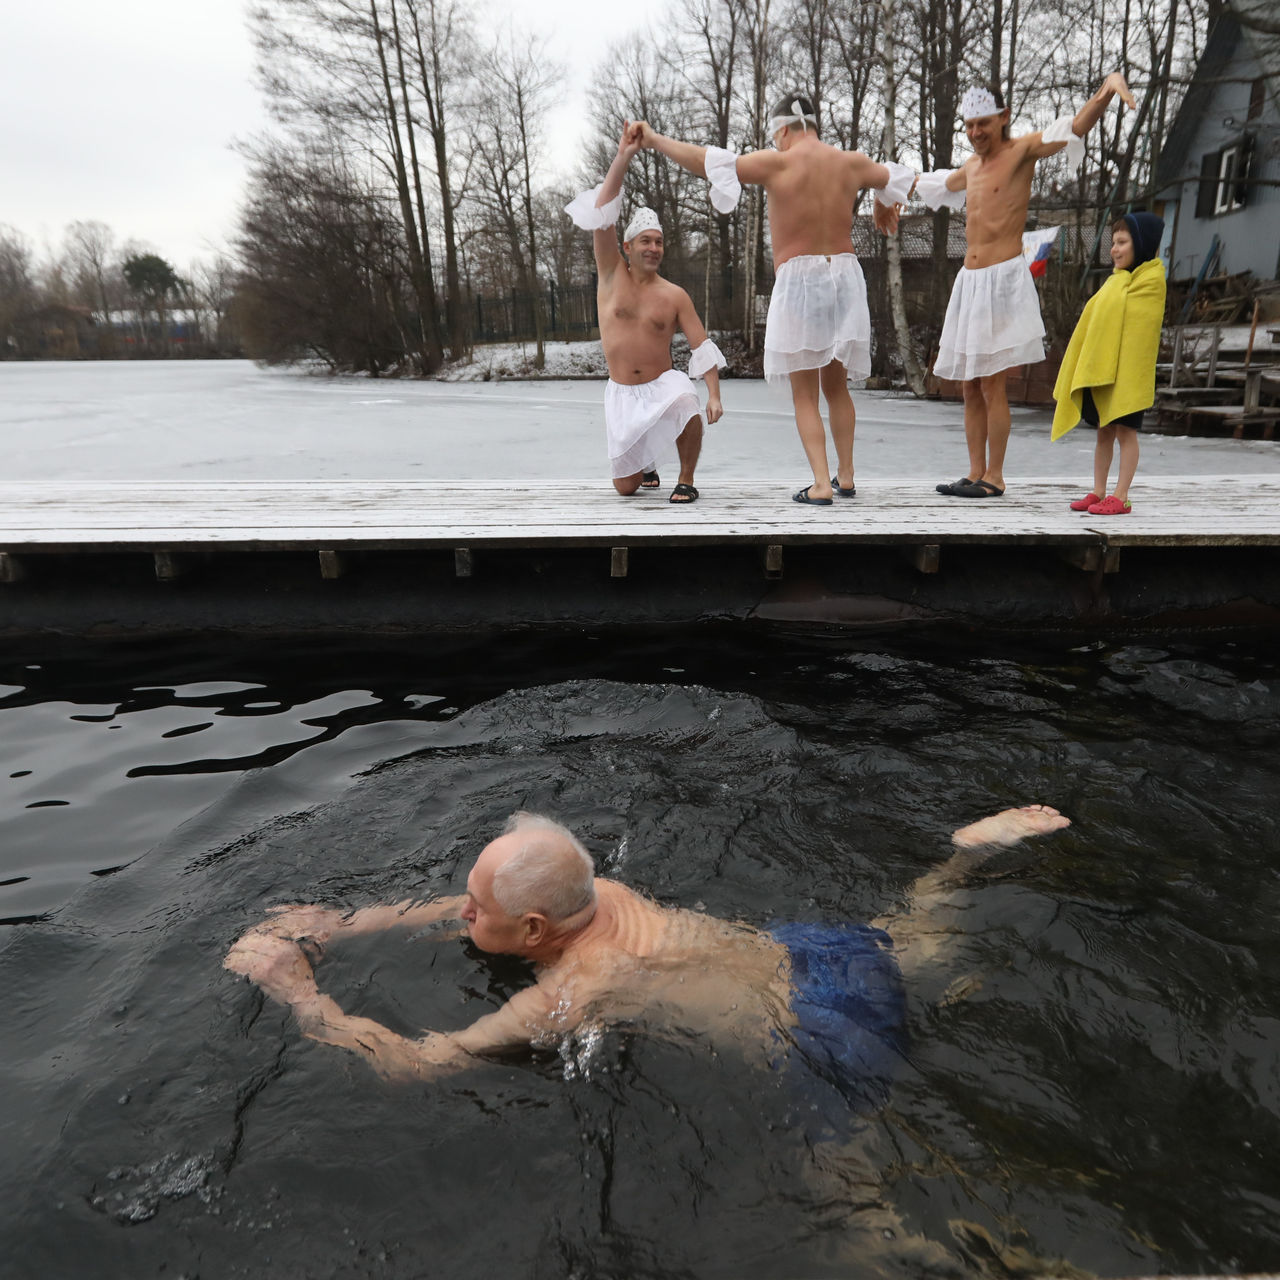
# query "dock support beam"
(12, 568)
(619, 562)
(1091, 559)
(773, 561)
(462, 564)
(172, 565)
(924, 557)
(333, 564)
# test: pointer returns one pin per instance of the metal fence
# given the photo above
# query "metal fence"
(569, 312)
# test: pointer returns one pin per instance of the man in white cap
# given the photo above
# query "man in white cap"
(993, 319)
(649, 407)
(818, 333)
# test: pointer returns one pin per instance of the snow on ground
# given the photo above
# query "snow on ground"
(515, 360)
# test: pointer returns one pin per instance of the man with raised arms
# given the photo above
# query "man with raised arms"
(826, 997)
(993, 320)
(648, 405)
(818, 332)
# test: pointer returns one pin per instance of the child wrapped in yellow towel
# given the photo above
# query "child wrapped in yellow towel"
(1108, 376)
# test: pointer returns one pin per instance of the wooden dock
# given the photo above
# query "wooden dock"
(427, 537)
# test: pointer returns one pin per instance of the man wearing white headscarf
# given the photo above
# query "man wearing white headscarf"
(818, 334)
(993, 320)
(650, 409)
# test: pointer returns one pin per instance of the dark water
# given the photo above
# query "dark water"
(1094, 1071)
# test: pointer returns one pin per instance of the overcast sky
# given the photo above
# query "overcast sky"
(123, 111)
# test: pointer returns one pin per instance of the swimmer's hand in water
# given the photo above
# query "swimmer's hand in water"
(1010, 826)
(304, 921)
(276, 964)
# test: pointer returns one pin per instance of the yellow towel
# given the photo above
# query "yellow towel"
(1113, 349)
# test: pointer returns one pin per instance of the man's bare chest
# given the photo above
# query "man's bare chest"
(997, 182)
(633, 309)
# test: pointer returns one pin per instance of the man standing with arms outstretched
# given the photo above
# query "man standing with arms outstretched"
(993, 320)
(818, 334)
(649, 406)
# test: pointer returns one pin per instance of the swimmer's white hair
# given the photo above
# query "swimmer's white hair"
(551, 873)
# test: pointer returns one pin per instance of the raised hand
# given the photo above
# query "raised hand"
(643, 134)
(885, 217)
(629, 142)
(1115, 83)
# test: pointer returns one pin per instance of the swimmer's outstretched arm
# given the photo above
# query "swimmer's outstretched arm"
(323, 924)
(281, 968)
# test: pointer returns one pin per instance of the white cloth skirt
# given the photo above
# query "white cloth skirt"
(992, 323)
(643, 422)
(817, 314)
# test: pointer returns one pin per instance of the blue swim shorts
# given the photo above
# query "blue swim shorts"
(850, 1011)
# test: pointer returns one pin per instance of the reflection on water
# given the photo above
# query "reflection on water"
(1094, 1072)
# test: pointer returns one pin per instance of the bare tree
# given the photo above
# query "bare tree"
(443, 53)
(519, 79)
(888, 53)
(17, 285)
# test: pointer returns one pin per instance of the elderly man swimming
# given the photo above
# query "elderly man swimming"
(602, 951)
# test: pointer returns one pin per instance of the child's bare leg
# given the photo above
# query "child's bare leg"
(1102, 454)
(1128, 438)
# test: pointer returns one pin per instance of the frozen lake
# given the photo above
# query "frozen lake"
(125, 421)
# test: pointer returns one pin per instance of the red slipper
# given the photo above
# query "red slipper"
(1083, 504)
(1111, 506)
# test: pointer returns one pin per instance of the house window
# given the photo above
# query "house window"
(1257, 96)
(1225, 198)
(1224, 179)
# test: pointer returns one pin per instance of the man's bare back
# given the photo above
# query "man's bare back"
(812, 188)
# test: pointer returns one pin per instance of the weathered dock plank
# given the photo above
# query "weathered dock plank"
(1192, 511)
(355, 557)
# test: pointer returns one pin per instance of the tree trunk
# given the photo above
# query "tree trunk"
(432, 76)
(429, 353)
(897, 302)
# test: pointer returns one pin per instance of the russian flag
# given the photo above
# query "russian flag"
(1036, 248)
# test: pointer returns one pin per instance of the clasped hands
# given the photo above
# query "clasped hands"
(272, 953)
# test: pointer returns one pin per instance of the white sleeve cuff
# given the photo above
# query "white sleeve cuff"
(932, 189)
(722, 173)
(1061, 131)
(705, 358)
(592, 217)
(898, 188)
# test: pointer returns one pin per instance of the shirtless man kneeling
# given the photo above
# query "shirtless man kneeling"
(832, 992)
(993, 319)
(648, 406)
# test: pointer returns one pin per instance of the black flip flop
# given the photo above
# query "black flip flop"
(844, 493)
(683, 494)
(649, 480)
(979, 489)
(803, 497)
(954, 487)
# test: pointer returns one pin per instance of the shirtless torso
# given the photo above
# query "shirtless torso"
(638, 319)
(998, 193)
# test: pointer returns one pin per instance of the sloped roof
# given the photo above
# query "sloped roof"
(1256, 23)
(915, 234)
